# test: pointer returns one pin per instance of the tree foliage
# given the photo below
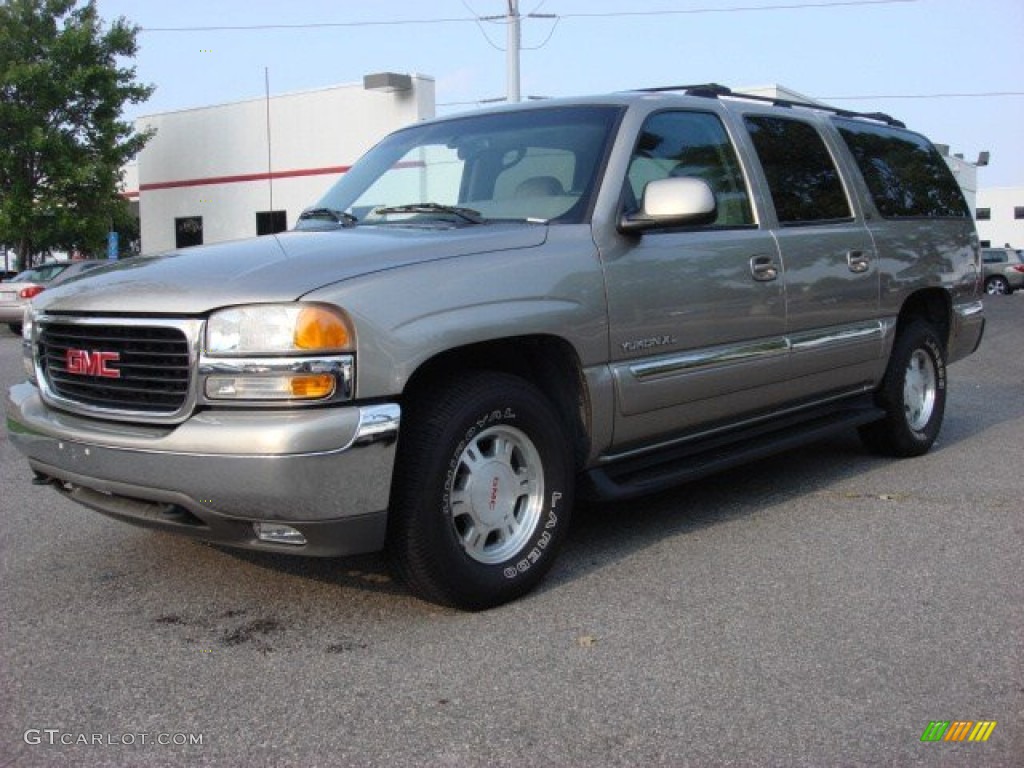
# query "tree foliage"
(63, 84)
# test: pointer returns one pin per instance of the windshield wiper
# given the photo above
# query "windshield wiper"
(466, 214)
(344, 218)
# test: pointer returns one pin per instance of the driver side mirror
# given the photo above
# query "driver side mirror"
(672, 202)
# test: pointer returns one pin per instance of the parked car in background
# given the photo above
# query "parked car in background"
(16, 293)
(1004, 270)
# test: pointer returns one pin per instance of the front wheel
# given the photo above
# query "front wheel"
(15, 328)
(913, 395)
(482, 491)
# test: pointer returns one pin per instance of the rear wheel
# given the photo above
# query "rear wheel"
(913, 395)
(482, 491)
(997, 286)
(15, 328)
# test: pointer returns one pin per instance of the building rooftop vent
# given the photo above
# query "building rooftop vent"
(387, 82)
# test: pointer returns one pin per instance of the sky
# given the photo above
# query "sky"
(951, 69)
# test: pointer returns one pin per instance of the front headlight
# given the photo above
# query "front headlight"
(276, 329)
(278, 352)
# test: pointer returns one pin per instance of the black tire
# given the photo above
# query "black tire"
(997, 286)
(913, 395)
(482, 492)
(15, 328)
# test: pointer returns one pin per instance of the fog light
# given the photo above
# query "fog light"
(304, 386)
(275, 533)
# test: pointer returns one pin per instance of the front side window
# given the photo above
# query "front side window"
(535, 165)
(983, 214)
(694, 145)
(905, 174)
(802, 177)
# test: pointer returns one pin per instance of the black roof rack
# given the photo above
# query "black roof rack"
(715, 91)
(707, 90)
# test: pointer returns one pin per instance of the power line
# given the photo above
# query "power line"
(533, 15)
(731, 9)
(874, 97)
(878, 97)
(309, 25)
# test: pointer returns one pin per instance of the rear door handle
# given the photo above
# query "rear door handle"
(763, 268)
(858, 261)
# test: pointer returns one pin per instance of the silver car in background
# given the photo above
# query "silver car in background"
(16, 293)
(1004, 270)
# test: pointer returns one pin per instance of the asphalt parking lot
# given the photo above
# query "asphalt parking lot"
(819, 608)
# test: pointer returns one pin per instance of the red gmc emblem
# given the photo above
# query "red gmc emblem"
(82, 362)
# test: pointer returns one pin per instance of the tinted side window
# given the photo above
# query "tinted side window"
(48, 272)
(905, 174)
(695, 145)
(802, 178)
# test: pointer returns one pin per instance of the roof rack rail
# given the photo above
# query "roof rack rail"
(707, 90)
(715, 91)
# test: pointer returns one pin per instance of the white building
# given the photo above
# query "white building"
(249, 168)
(1000, 216)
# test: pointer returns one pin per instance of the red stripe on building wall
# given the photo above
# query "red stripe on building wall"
(243, 177)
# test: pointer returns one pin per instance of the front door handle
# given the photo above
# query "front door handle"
(858, 261)
(763, 268)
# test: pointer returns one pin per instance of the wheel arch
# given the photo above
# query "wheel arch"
(549, 362)
(934, 305)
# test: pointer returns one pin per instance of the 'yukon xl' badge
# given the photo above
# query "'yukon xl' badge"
(653, 341)
(82, 362)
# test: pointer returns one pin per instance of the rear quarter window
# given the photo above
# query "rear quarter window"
(905, 174)
(802, 177)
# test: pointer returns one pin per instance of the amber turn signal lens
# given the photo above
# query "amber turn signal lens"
(312, 386)
(320, 328)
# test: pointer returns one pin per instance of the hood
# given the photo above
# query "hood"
(282, 267)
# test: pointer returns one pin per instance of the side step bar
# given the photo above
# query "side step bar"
(667, 468)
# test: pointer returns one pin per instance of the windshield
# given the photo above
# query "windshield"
(534, 165)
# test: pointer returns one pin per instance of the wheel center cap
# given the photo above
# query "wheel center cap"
(494, 493)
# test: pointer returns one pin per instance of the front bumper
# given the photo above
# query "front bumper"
(324, 472)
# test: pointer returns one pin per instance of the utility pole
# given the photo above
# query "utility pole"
(512, 51)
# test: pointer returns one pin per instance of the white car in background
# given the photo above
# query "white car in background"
(16, 293)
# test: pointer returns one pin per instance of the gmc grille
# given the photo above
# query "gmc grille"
(152, 363)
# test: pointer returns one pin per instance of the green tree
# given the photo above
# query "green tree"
(63, 84)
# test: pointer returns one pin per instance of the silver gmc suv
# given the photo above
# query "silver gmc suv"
(492, 314)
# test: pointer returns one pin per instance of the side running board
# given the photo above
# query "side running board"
(664, 469)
